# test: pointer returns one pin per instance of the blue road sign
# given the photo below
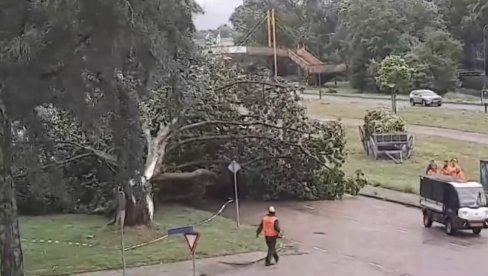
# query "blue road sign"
(180, 230)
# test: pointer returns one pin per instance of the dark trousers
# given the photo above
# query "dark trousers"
(271, 243)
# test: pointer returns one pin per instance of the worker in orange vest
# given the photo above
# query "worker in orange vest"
(271, 228)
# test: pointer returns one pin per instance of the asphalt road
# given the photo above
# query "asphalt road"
(350, 100)
(367, 237)
(351, 237)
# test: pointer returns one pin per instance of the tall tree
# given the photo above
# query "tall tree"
(435, 62)
(68, 53)
(395, 27)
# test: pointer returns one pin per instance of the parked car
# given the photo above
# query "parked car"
(425, 97)
(457, 204)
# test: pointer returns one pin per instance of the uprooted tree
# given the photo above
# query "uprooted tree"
(112, 92)
(192, 132)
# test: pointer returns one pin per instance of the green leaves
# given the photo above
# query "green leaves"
(383, 121)
(375, 29)
(394, 74)
(435, 62)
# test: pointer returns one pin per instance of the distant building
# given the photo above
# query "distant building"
(214, 40)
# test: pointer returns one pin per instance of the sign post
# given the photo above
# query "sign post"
(192, 241)
(180, 230)
(234, 167)
(122, 245)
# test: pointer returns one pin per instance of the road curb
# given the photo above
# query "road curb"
(372, 97)
(412, 205)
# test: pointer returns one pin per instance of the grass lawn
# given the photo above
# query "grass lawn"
(436, 117)
(219, 237)
(405, 177)
(344, 87)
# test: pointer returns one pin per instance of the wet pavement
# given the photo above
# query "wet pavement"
(368, 237)
(352, 237)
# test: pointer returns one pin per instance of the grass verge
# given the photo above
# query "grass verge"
(405, 177)
(344, 87)
(219, 237)
(434, 117)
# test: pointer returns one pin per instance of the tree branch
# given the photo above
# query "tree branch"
(239, 137)
(59, 163)
(220, 137)
(246, 164)
(236, 123)
(179, 176)
(201, 163)
(226, 162)
(100, 154)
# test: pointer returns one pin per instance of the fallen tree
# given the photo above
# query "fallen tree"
(227, 115)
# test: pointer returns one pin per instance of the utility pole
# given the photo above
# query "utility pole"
(268, 19)
(273, 21)
(484, 50)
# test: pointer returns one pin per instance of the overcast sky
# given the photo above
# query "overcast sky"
(217, 12)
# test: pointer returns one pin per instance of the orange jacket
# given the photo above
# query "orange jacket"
(432, 172)
(450, 170)
(460, 174)
(269, 226)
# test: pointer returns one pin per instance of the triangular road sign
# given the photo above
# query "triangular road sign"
(192, 240)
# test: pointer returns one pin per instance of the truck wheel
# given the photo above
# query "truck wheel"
(449, 227)
(427, 221)
(476, 231)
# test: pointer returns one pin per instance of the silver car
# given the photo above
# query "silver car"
(425, 97)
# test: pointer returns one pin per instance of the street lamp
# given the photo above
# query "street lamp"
(484, 48)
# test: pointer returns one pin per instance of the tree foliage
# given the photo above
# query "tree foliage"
(365, 32)
(308, 23)
(395, 28)
(89, 59)
(394, 75)
(435, 62)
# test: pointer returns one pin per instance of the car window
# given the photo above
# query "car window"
(469, 197)
(428, 93)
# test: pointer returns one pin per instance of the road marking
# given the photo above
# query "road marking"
(457, 245)
(309, 207)
(320, 249)
(376, 265)
(296, 242)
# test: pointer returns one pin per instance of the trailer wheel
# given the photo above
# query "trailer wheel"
(427, 220)
(477, 231)
(449, 227)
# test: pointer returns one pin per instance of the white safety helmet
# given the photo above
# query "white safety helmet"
(271, 209)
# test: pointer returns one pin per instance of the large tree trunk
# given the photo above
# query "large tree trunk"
(140, 202)
(10, 247)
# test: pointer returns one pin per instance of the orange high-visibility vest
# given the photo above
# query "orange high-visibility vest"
(268, 226)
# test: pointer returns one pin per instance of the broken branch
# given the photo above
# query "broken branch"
(176, 176)
(235, 123)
